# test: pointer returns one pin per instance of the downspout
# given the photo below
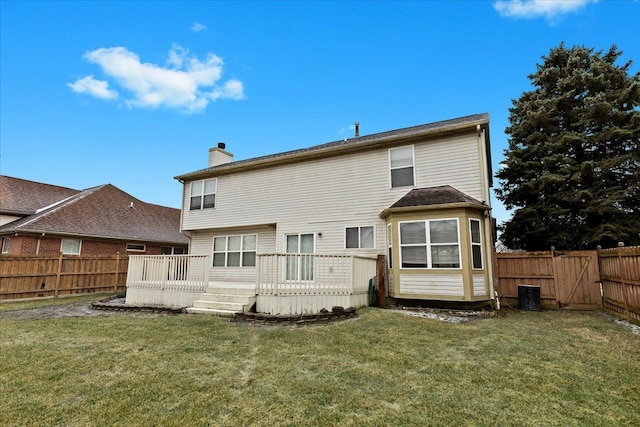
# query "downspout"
(489, 246)
(38, 244)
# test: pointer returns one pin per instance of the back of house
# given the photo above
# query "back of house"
(419, 196)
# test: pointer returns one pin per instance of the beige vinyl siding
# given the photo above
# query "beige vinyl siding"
(202, 244)
(451, 161)
(325, 195)
(479, 285)
(431, 284)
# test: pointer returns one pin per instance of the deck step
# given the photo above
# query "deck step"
(211, 312)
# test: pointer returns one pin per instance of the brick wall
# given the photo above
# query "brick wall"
(50, 246)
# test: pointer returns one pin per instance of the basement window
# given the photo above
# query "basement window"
(136, 247)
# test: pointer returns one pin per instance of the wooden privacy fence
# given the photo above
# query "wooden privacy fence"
(36, 276)
(567, 280)
(620, 275)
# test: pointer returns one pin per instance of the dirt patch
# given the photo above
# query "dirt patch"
(78, 309)
(112, 306)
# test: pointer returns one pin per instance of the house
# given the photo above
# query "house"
(301, 230)
(44, 219)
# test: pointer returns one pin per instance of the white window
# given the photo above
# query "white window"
(136, 247)
(71, 246)
(359, 238)
(430, 244)
(5, 245)
(171, 251)
(203, 194)
(390, 247)
(476, 244)
(401, 166)
(235, 251)
(299, 265)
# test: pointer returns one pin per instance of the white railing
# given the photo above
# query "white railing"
(313, 274)
(170, 272)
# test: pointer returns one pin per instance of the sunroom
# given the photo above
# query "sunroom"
(439, 246)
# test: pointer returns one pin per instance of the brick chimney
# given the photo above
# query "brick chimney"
(219, 156)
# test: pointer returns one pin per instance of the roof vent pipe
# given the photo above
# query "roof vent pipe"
(357, 125)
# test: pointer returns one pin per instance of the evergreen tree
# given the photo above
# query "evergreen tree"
(572, 168)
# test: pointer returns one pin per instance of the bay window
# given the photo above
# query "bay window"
(476, 243)
(430, 244)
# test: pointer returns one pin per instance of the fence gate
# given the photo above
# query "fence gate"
(568, 280)
(577, 280)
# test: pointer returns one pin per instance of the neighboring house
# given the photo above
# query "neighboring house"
(285, 226)
(43, 219)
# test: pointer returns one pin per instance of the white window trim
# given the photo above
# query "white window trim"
(144, 247)
(428, 244)
(226, 251)
(203, 194)
(6, 241)
(71, 253)
(413, 166)
(359, 227)
(389, 246)
(476, 244)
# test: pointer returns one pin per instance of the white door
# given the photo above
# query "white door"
(300, 266)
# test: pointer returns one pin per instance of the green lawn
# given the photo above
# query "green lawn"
(383, 368)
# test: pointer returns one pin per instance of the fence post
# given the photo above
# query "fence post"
(57, 284)
(381, 266)
(556, 285)
(115, 279)
(625, 290)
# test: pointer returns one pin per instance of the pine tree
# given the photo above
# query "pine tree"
(572, 168)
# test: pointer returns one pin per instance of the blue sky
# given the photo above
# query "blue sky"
(135, 93)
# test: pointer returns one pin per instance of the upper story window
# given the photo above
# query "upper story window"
(5, 245)
(359, 238)
(430, 244)
(203, 194)
(401, 166)
(70, 246)
(476, 244)
(235, 251)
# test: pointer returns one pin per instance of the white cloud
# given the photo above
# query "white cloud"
(91, 86)
(529, 9)
(185, 83)
(198, 27)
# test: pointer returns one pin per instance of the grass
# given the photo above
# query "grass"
(383, 368)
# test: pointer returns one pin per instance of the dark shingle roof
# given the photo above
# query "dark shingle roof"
(442, 195)
(434, 197)
(105, 212)
(23, 197)
(361, 141)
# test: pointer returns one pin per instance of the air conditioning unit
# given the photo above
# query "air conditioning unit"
(528, 297)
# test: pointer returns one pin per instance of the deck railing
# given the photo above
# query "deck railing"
(313, 274)
(176, 272)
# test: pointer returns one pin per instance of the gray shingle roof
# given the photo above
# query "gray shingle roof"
(105, 212)
(442, 195)
(23, 197)
(357, 142)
